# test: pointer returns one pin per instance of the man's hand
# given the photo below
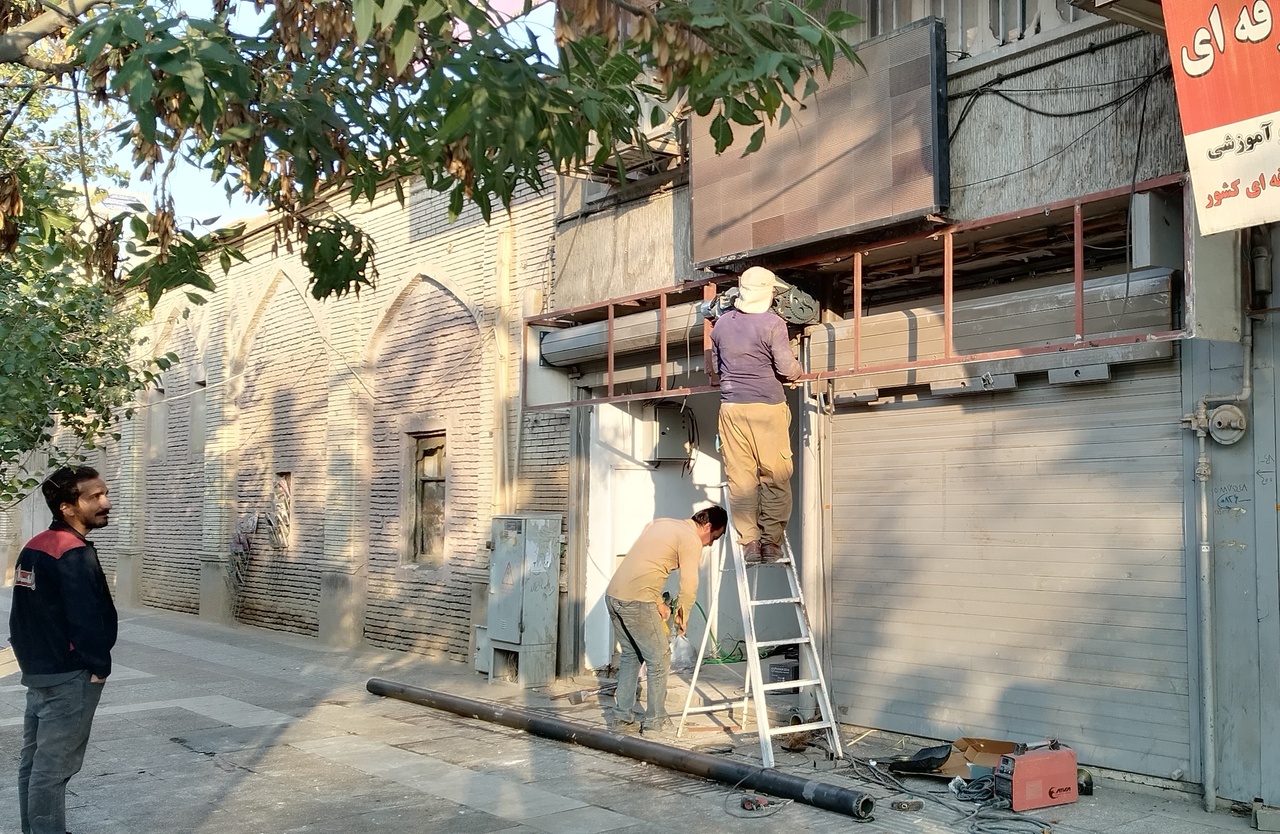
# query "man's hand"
(96, 679)
(680, 620)
(664, 611)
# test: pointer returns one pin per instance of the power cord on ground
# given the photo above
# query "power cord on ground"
(989, 817)
(750, 805)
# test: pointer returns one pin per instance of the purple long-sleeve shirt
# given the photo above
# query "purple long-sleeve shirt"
(751, 355)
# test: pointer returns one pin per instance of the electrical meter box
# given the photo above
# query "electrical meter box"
(524, 596)
(665, 432)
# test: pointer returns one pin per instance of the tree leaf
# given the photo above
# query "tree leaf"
(390, 11)
(721, 132)
(740, 113)
(406, 43)
(839, 20)
(365, 13)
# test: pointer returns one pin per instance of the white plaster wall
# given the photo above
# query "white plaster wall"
(628, 493)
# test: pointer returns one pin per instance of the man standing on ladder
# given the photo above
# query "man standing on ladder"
(634, 599)
(750, 356)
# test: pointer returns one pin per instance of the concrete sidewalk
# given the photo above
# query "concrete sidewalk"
(233, 730)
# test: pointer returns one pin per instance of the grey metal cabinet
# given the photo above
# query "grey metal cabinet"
(524, 586)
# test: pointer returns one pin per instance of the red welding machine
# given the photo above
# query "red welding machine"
(1037, 778)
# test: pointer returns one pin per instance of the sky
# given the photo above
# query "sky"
(197, 198)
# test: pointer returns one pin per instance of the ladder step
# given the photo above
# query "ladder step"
(776, 685)
(800, 728)
(790, 641)
(778, 601)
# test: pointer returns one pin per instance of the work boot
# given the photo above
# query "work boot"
(751, 553)
(770, 551)
(625, 728)
(666, 728)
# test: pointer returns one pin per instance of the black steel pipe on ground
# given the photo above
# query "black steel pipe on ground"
(752, 777)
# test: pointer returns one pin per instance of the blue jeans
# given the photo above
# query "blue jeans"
(643, 639)
(55, 733)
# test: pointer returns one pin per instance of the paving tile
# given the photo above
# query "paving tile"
(502, 797)
(226, 739)
(218, 730)
(367, 725)
(581, 821)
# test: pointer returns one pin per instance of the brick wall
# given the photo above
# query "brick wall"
(328, 392)
(282, 413)
(172, 486)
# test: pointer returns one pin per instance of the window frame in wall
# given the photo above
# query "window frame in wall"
(429, 441)
(198, 415)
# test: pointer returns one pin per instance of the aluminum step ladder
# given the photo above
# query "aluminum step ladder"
(747, 578)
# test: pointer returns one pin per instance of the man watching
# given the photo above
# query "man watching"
(750, 356)
(634, 599)
(62, 627)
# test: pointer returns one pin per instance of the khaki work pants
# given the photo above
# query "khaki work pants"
(755, 439)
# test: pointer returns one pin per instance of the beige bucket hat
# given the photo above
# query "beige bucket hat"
(755, 290)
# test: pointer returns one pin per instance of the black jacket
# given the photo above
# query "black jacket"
(63, 618)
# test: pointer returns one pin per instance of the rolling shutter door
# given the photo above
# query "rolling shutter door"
(1012, 565)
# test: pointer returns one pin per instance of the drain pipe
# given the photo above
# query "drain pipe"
(739, 774)
(1226, 424)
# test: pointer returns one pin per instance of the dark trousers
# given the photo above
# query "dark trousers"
(55, 732)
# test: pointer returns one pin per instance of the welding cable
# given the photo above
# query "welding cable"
(976, 790)
(991, 817)
(771, 807)
(1012, 823)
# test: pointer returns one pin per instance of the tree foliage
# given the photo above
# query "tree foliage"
(329, 97)
(67, 362)
(312, 101)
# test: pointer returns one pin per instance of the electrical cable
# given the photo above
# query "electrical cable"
(988, 88)
(990, 817)
(1133, 189)
(770, 806)
(1072, 89)
(1116, 105)
(734, 655)
(975, 790)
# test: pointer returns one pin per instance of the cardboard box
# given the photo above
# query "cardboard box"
(972, 758)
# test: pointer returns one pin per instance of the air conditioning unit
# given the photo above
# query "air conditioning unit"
(659, 124)
(1144, 14)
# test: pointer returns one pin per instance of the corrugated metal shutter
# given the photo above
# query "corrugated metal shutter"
(1012, 566)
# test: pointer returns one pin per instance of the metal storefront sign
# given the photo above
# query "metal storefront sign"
(1226, 60)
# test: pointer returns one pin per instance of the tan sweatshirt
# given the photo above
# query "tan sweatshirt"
(666, 544)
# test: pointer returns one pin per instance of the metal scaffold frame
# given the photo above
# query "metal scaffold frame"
(857, 255)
